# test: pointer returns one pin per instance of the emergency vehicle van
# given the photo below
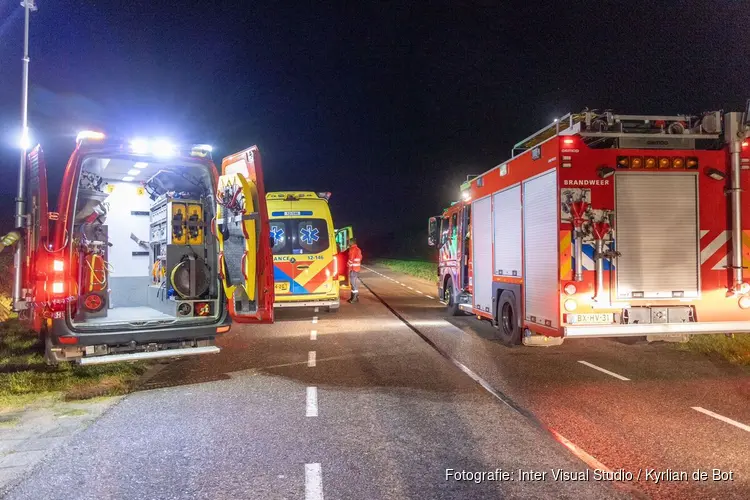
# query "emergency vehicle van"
(150, 253)
(606, 225)
(304, 249)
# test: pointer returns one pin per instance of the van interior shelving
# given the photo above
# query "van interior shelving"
(142, 246)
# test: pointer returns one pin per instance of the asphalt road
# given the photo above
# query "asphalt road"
(358, 404)
(647, 422)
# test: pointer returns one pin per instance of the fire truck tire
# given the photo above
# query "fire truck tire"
(508, 330)
(450, 299)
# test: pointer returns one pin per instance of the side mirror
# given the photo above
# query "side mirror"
(432, 231)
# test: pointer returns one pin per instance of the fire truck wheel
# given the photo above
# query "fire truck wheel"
(450, 299)
(507, 322)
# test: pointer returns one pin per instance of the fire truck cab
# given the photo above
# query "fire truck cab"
(606, 225)
(150, 254)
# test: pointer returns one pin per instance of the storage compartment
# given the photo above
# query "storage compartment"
(656, 226)
(142, 248)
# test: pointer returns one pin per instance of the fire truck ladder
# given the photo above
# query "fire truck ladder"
(596, 127)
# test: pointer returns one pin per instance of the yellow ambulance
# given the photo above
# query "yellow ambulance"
(305, 268)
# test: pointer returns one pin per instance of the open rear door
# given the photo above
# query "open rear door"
(245, 259)
(37, 224)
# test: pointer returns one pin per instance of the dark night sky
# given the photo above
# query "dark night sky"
(388, 106)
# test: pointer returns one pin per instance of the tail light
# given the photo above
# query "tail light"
(744, 302)
(58, 266)
(570, 289)
(570, 305)
(58, 287)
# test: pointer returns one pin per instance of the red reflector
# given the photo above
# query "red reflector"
(745, 144)
(223, 329)
(68, 340)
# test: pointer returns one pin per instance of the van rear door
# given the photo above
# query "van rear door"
(241, 226)
(37, 224)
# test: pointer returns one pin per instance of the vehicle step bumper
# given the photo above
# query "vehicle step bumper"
(656, 329)
(308, 303)
(140, 356)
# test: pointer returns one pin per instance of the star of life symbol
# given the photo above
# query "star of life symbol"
(309, 234)
(277, 233)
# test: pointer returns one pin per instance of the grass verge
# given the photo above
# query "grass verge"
(735, 349)
(26, 379)
(418, 268)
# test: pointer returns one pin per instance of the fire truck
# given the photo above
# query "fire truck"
(606, 225)
(151, 253)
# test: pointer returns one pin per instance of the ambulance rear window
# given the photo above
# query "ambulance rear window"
(299, 236)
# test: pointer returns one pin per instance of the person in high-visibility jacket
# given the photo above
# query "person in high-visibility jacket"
(354, 264)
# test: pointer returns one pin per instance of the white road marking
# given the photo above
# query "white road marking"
(317, 309)
(402, 284)
(311, 359)
(722, 418)
(613, 374)
(315, 319)
(410, 288)
(419, 292)
(430, 297)
(313, 482)
(312, 402)
(313, 334)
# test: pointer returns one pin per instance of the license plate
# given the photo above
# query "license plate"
(592, 318)
(281, 287)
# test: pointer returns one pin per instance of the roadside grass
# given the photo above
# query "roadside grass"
(735, 349)
(26, 379)
(417, 268)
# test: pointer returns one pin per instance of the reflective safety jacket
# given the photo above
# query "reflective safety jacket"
(355, 258)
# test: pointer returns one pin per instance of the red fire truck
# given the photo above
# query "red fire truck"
(606, 225)
(150, 253)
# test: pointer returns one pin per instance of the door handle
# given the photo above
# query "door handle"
(303, 267)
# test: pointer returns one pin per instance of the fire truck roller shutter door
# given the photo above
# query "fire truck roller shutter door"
(656, 219)
(481, 233)
(506, 215)
(540, 249)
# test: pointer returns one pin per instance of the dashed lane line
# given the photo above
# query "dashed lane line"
(310, 359)
(611, 374)
(314, 320)
(313, 334)
(312, 402)
(729, 421)
(313, 482)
